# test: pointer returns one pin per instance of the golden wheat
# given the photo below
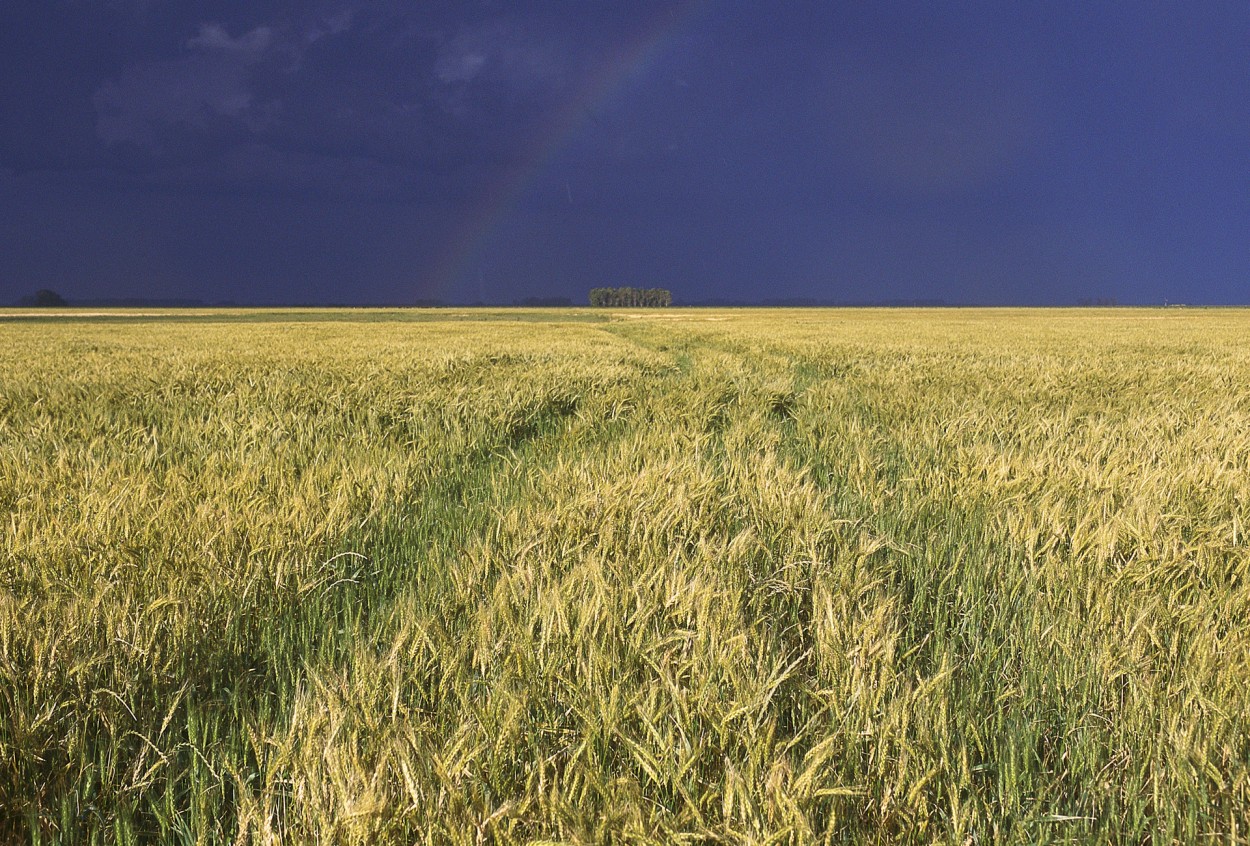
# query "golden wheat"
(691, 576)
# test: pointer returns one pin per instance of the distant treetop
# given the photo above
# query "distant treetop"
(43, 298)
(631, 297)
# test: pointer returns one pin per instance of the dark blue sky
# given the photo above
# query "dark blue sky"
(386, 152)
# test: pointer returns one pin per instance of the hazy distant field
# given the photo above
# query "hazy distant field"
(690, 576)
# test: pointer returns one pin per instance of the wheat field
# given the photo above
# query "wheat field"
(845, 576)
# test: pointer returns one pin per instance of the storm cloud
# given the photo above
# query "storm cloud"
(392, 151)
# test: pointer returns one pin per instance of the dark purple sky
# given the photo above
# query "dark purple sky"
(386, 152)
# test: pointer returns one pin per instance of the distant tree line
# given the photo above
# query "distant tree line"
(43, 298)
(631, 297)
(544, 302)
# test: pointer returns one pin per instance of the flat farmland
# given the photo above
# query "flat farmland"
(679, 576)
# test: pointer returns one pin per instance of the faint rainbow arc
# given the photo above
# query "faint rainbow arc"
(468, 240)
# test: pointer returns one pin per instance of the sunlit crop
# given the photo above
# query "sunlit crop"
(681, 577)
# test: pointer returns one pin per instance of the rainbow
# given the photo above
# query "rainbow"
(467, 241)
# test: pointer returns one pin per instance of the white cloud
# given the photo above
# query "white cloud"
(455, 66)
(211, 83)
(333, 24)
(499, 51)
(214, 37)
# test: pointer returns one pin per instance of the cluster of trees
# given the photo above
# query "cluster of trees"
(631, 297)
(43, 298)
